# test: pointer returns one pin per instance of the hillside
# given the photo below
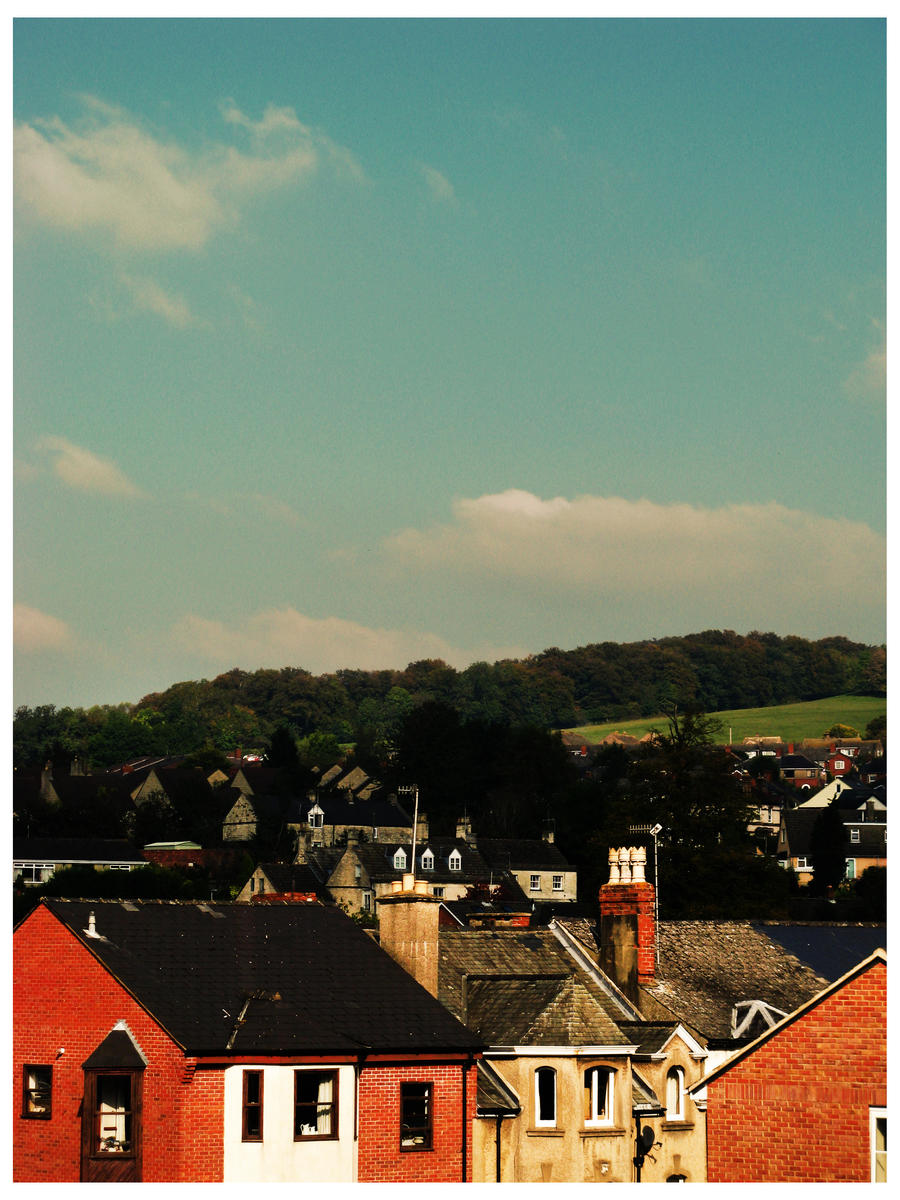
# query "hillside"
(790, 722)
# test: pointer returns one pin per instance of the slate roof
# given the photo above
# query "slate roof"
(494, 1093)
(298, 877)
(520, 987)
(378, 860)
(76, 850)
(797, 825)
(831, 949)
(706, 967)
(522, 854)
(263, 979)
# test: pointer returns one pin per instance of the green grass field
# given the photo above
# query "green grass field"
(790, 722)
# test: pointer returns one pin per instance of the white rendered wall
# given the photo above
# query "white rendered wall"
(278, 1158)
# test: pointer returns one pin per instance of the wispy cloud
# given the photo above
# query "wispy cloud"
(35, 631)
(867, 382)
(276, 636)
(110, 174)
(88, 472)
(149, 296)
(438, 184)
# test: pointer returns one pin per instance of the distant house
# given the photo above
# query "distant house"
(293, 881)
(806, 1102)
(799, 771)
(35, 860)
(538, 865)
(864, 841)
(238, 1043)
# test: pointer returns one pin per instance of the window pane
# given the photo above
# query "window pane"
(113, 1114)
(415, 1115)
(314, 1104)
(37, 1091)
(546, 1095)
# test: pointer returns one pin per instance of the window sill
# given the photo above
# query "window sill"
(601, 1131)
(547, 1131)
(672, 1126)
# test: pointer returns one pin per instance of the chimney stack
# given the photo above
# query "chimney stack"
(628, 921)
(464, 830)
(408, 929)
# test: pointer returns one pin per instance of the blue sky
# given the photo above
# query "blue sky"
(349, 343)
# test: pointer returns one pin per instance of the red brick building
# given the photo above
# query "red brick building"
(171, 1042)
(807, 1101)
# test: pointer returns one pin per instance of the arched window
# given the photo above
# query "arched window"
(675, 1095)
(400, 860)
(598, 1096)
(545, 1096)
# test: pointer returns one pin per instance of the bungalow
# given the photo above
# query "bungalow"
(190, 1042)
(35, 860)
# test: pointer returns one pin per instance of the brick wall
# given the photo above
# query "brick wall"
(797, 1108)
(636, 900)
(62, 997)
(380, 1158)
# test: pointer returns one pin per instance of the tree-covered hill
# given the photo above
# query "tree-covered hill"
(601, 682)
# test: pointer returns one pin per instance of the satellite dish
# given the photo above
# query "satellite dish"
(648, 1137)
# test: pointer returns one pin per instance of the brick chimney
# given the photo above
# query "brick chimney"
(408, 929)
(628, 921)
(464, 832)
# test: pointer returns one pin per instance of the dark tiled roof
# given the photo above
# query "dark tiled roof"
(297, 877)
(520, 987)
(263, 979)
(521, 853)
(832, 949)
(798, 826)
(494, 1094)
(706, 967)
(117, 1050)
(75, 850)
(378, 860)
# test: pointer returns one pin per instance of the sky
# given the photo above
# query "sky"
(347, 343)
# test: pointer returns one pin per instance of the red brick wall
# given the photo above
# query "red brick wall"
(619, 899)
(62, 997)
(380, 1157)
(797, 1108)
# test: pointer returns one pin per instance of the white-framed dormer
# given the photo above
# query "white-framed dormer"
(427, 859)
(454, 862)
(399, 859)
(316, 816)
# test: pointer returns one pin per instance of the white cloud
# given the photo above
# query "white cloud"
(149, 296)
(438, 184)
(110, 174)
(868, 380)
(88, 472)
(35, 631)
(639, 553)
(280, 636)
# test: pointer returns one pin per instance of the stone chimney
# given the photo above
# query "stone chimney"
(548, 833)
(628, 921)
(46, 779)
(464, 831)
(408, 929)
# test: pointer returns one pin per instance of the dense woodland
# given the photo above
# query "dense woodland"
(555, 689)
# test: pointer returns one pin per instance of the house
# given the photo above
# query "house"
(799, 771)
(537, 864)
(35, 860)
(864, 815)
(571, 1071)
(357, 875)
(280, 880)
(184, 1042)
(806, 1101)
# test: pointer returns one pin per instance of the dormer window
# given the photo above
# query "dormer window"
(454, 862)
(400, 860)
(427, 861)
(854, 835)
(315, 817)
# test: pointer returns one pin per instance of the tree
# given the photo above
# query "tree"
(827, 849)
(841, 731)
(876, 730)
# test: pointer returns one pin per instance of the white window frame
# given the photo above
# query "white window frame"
(876, 1115)
(534, 883)
(675, 1084)
(601, 1106)
(399, 859)
(542, 1121)
(454, 862)
(558, 883)
(427, 861)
